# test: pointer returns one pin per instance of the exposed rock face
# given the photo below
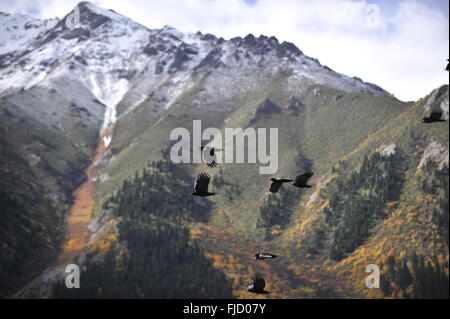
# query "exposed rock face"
(295, 105)
(436, 101)
(435, 152)
(388, 150)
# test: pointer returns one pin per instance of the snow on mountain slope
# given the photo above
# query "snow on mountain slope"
(121, 61)
(95, 55)
(18, 30)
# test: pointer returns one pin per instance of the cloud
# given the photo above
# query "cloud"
(405, 53)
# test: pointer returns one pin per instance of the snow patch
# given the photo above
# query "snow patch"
(106, 140)
(110, 92)
(105, 12)
(18, 30)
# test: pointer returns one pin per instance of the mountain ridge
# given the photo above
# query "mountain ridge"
(88, 10)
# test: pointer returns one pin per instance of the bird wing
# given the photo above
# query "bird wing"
(258, 282)
(303, 178)
(436, 114)
(202, 182)
(275, 186)
(212, 164)
(209, 157)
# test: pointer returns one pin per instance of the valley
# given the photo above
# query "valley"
(80, 214)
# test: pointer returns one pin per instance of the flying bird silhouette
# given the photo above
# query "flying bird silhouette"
(435, 116)
(447, 68)
(257, 284)
(263, 256)
(201, 185)
(277, 182)
(301, 180)
(209, 156)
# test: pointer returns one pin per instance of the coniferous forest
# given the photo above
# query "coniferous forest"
(415, 277)
(155, 257)
(276, 211)
(360, 201)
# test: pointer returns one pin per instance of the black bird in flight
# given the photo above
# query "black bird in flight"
(447, 68)
(201, 185)
(263, 256)
(435, 116)
(210, 157)
(257, 284)
(301, 180)
(277, 182)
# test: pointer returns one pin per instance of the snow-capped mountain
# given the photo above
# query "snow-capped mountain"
(61, 88)
(116, 59)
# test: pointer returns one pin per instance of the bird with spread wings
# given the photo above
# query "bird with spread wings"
(277, 182)
(301, 180)
(435, 116)
(209, 155)
(201, 185)
(257, 285)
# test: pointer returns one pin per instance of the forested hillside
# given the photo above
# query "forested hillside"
(153, 255)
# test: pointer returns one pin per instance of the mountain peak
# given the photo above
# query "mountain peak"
(105, 41)
(92, 16)
(86, 6)
(167, 29)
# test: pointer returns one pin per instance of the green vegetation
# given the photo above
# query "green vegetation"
(358, 201)
(24, 231)
(348, 206)
(362, 206)
(40, 167)
(416, 278)
(277, 209)
(154, 256)
(435, 182)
